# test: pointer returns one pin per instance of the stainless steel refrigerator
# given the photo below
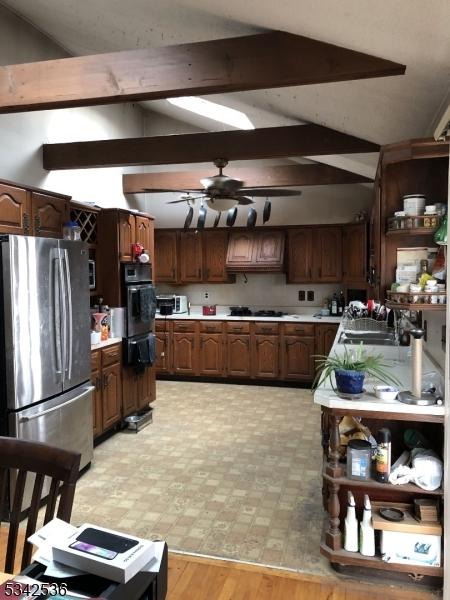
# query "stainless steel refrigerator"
(45, 368)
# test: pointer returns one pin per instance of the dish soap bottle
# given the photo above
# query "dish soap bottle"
(351, 526)
(366, 532)
(334, 305)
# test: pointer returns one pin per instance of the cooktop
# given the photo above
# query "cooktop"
(244, 311)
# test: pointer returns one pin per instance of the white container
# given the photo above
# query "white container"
(411, 548)
(96, 336)
(414, 204)
(386, 392)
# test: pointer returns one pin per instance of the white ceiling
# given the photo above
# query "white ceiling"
(382, 110)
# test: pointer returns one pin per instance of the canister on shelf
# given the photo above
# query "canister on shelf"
(359, 459)
(383, 457)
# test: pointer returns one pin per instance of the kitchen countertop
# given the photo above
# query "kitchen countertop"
(226, 317)
(108, 342)
(401, 368)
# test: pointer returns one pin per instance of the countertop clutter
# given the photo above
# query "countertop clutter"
(106, 343)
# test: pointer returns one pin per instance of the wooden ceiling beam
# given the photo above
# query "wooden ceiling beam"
(268, 142)
(261, 177)
(266, 60)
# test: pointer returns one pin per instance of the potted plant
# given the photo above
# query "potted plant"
(350, 369)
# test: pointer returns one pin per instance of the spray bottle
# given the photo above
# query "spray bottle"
(351, 526)
(366, 532)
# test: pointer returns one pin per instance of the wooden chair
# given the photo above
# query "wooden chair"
(62, 466)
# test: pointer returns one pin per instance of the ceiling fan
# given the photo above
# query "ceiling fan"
(224, 193)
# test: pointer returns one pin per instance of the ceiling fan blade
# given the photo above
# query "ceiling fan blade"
(172, 191)
(270, 192)
(178, 201)
(231, 216)
(244, 200)
(188, 220)
(251, 218)
(266, 211)
(217, 219)
(201, 217)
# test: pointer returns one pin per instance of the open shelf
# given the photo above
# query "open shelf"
(343, 557)
(412, 231)
(415, 306)
(409, 488)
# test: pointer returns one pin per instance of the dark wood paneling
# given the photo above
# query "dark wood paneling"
(260, 61)
(268, 142)
(279, 176)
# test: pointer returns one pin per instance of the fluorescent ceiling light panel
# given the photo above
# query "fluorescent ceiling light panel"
(214, 111)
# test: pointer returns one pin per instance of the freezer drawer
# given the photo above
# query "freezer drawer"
(65, 421)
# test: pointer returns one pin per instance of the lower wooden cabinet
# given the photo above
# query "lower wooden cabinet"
(107, 379)
(138, 390)
(242, 349)
(238, 355)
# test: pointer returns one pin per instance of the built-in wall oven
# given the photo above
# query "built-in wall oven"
(140, 305)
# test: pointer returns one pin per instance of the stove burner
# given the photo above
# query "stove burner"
(244, 311)
(268, 313)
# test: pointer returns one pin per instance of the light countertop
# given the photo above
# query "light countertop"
(399, 363)
(108, 342)
(224, 316)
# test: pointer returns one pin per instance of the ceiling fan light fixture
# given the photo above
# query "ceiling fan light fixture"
(221, 203)
(214, 111)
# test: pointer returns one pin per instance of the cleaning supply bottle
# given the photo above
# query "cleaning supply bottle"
(366, 532)
(351, 526)
(383, 457)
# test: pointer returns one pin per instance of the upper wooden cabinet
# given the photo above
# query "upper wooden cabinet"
(354, 253)
(118, 230)
(300, 255)
(31, 212)
(256, 250)
(215, 247)
(315, 255)
(166, 256)
(191, 259)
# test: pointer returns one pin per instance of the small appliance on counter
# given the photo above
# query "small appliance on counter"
(209, 310)
(240, 311)
(179, 303)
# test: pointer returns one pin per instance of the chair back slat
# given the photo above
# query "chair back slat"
(15, 520)
(32, 519)
(22, 457)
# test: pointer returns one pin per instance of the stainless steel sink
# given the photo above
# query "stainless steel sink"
(373, 338)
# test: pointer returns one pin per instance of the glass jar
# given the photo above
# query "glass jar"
(71, 231)
(359, 459)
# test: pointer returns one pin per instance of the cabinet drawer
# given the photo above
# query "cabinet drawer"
(266, 328)
(95, 360)
(162, 325)
(238, 327)
(184, 326)
(211, 326)
(111, 355)
(299, 329)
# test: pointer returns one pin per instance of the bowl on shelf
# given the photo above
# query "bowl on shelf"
(386, 392)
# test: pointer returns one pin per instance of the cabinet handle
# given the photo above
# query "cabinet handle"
(105, 381)
(98, 383)
(37, 224)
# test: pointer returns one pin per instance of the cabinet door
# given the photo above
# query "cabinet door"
(211, 354)
(327, 254)
(215, 247)
(112, 395)
(48, 215)
(238, 355)
(97, 418)
(269, 248)
(265, 356)
(166, 264)
(300, 255)
(144, 232)
(163, 354)
(145, 388)
(14, 210)
(325, 336)
(191, 268)
(354, 253)
(127, 236)
(240, 248)
(129, 391)
(185, 353)
(297, 358)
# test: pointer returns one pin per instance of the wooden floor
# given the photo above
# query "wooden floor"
(196, 578)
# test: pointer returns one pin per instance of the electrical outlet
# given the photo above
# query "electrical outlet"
(205, 295)
(301, 295)
(310, 295)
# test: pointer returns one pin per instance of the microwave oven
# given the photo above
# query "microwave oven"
(91, 267)
(179, 304)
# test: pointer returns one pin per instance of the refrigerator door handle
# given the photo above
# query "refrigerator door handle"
(86, 390)
(68, 324)
(57, 314)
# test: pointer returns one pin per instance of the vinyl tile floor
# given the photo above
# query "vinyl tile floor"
(224, 470)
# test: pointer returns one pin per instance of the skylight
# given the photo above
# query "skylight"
(217, 112)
